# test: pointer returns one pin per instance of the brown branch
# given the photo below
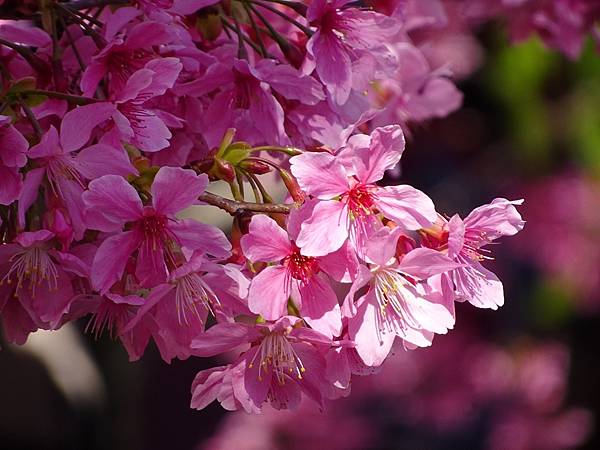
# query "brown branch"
(233, 207)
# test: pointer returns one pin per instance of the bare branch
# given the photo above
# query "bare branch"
(233, 207)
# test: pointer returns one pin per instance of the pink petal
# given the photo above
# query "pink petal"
(150, 132)
(456, 236)
(111, 259)
(25, 34)
(13, 146)
(422, 263)
(269, 293)
(194, 235)
(423, 314)
(223, 337)
(256, 384)
(266, 241)
(384, 151)
(342, 265)
(78, 124)
(100, 159)
(326, 230)
(147, 34)
(110, 203)
(174, 189)
(156, 295)
(206, 387)
(372, 345)
(150, 268)
(48, 146)
(499, 218)
(11, 185)
(363, 277)
(30, 191)
(381, 246)
(478, 286)
(186, 7)
(290, 82)
(320, 307)
(407, 206)
(333, 64)
(16, 323)
(320, 175)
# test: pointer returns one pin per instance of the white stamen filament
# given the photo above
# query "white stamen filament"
(394, 313)
(276, 353)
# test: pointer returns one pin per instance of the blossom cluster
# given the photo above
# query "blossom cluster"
(464, 389)
(115, 119)
(561, 24)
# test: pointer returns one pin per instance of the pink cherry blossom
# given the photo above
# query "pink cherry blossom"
(64, 172)
(35, 288)
(295, 275)
(396, 304)
(342, 35)
(282, 363)
(348, 198)
(111, 203)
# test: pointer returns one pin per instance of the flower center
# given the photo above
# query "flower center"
(107, 317)
(153, 227)
(473, 243)
(32, 265)
(276, 353)
(301, 267)
(189, 291)
(360, 200)
(122, 63)
(390, 292)
(63, 167)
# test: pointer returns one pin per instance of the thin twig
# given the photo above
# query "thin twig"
(233, 207)
(284, 16)
(75, 99)
(34, 122)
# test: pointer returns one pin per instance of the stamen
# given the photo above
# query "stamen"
(391, 294)
(189, 291)
(301, 267)
(276, 353)
(32, 265)
(360, 200)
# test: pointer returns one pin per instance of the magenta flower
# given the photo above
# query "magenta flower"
(179, 308)
(13, 150)
(396, 304)
(283, 362)
(67, 172)
(301, 277)
(349, 201)
(123, 55)
(35, 287)
(465, 242)
(112, 313)
(248, 98)
(417, 93)
(135, 121)
(154, 231)
(342, 37)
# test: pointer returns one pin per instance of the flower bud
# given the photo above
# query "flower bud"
(255, 167)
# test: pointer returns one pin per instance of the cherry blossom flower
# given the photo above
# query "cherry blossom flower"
(155, 232)
(349, 201)
(282, 363)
